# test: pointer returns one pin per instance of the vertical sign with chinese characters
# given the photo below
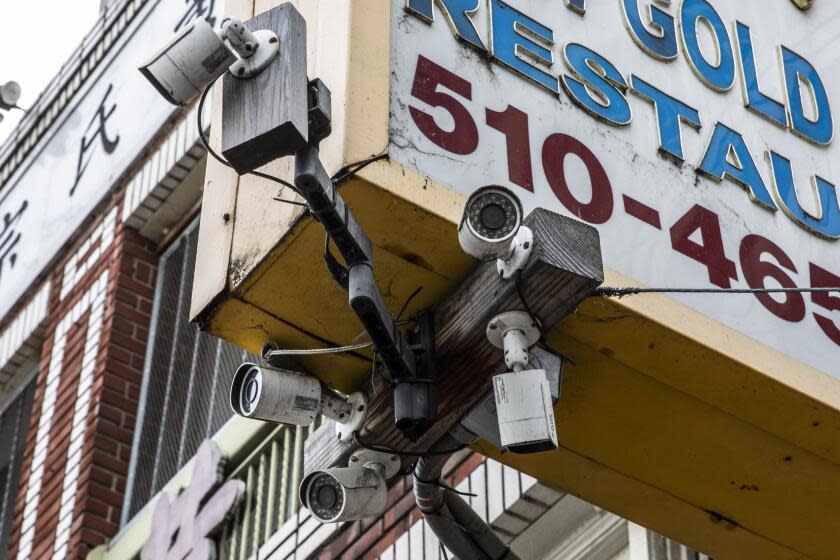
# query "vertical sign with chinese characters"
(90, 147)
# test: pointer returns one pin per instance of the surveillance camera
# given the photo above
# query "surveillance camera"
(492, 229)
(350, 493)
(492, 216)
(524, 404)
(195, 57)
(198, 55)
(288, 397)
(9, 95)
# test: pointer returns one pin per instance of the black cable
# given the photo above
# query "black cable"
(201, 135)
(349, 170)
(440, 484)
(292, 202)
(624, 292)
(283, 182)
(339, 273)
(385, 449)
(406, 302)
(204, 142)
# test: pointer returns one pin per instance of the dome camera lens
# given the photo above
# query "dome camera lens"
(251, 389)
(325, 497)
(493, 216)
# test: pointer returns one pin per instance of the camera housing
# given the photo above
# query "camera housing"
(524, 397)
(492, 217)
(195, 57)
(491, 228)
(525, 411)
(482, 420)
(288, 397)
(350, 493)
(198, 55)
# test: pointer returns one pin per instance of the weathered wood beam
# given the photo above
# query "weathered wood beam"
(565, 268)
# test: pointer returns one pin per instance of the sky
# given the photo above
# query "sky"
(25, 29)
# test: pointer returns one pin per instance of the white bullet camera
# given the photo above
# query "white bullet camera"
(524, 403)
(492, 229)
(350, 493)
(198, 55)
(287, 397)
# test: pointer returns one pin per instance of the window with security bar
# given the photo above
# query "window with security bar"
(662, 548)
(186, 379)
(14, 423)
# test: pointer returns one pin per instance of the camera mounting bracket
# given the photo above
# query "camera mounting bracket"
(515, 332)
(358, 412)
(387, 464)
(267, 45)
(520, 251)
(254, 49)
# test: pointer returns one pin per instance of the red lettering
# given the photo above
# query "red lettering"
(753, 247)
(513, 123)
(555, 149)
(463, 138)
(711, 253)
(821, 278)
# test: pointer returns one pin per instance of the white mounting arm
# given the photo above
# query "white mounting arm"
(515, 332)
(518, 253)
(254, 49)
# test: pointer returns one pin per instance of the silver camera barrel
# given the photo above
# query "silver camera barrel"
(194, 58)
(275, 395)
(344, 494)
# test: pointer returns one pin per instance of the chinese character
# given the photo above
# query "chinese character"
(180, 526)
(197, 9)
(9, 237)
(101, 117)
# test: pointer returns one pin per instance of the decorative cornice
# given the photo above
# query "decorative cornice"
(81, 64)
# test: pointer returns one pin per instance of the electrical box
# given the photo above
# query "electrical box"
(265, 117)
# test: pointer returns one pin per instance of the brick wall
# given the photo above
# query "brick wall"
(79, 444)
(367, 539)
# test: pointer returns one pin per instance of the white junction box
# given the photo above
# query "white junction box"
(525, 412)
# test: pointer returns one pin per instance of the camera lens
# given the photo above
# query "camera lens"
(494, 214)
(251, 389)
(325, 497)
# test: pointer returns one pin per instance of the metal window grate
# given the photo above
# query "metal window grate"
(272, 474)
(14, 422)
(662, 548)
(185, 382)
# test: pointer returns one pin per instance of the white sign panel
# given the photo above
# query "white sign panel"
(102, 132)
(697, 136)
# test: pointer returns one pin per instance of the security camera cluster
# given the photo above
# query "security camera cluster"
(492, 229)
(516, 416)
